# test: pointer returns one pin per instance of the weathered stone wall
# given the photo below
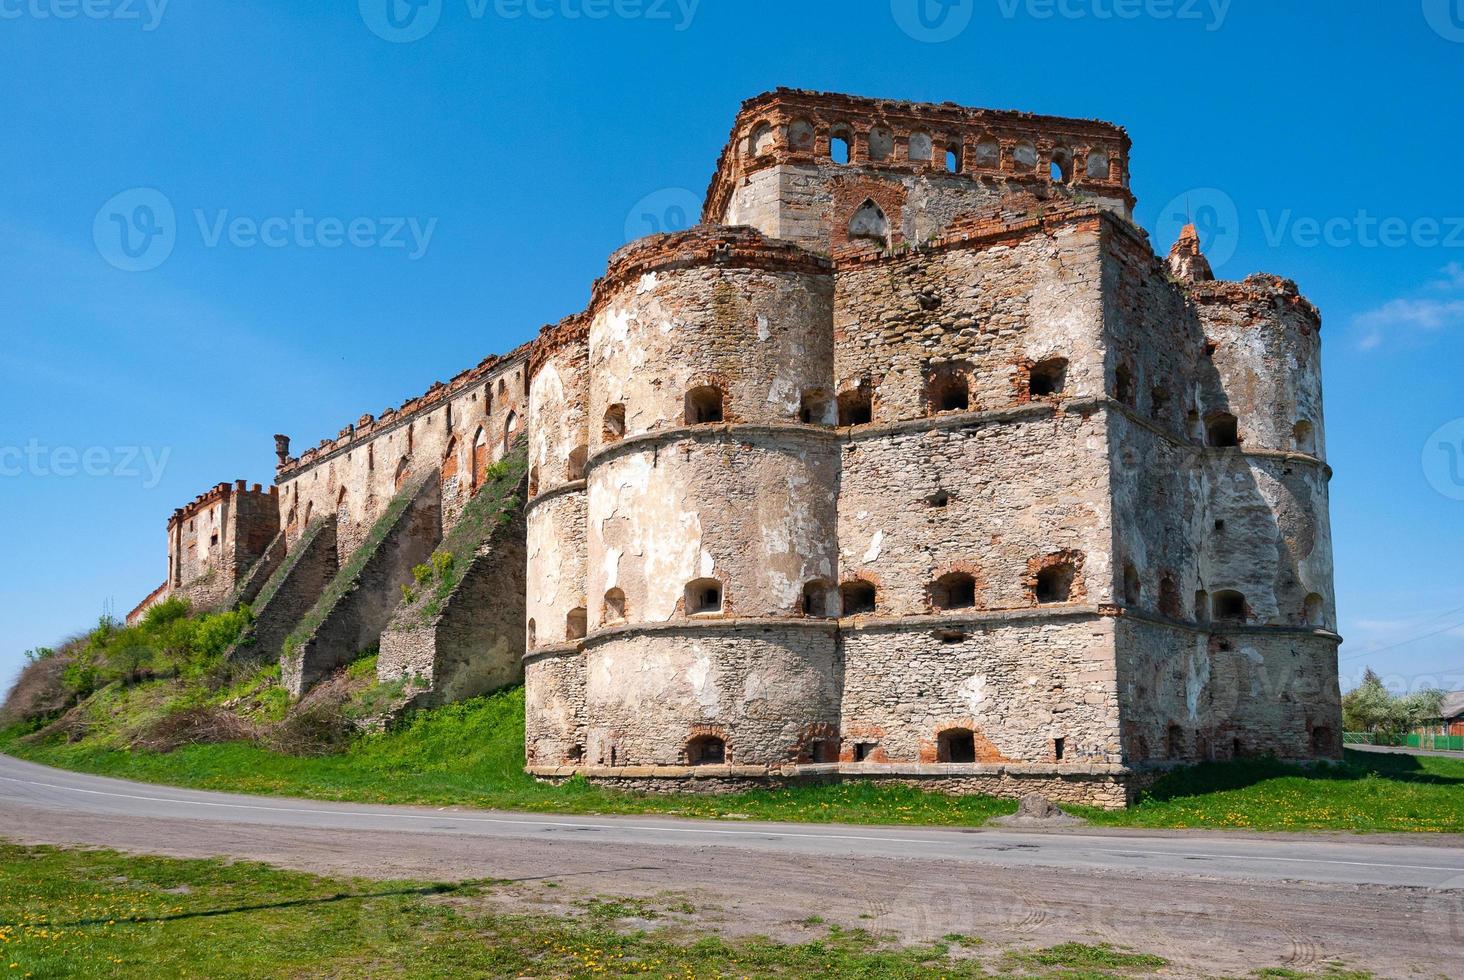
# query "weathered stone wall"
(1018, 681)
(290, 592)
(216, 539)
(554, 706)
(770, 691)
(355, 608)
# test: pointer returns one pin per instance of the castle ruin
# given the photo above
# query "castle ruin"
(911, 462)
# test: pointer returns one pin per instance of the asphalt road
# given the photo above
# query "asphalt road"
(1215, 900)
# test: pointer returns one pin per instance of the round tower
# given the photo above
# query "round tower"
(711, 505)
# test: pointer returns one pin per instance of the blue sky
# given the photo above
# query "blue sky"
(479, 175)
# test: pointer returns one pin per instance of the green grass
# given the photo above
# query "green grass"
(68, 913)
(471, 754)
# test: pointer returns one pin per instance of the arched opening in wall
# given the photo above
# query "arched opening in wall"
(988, 153)
(800, 135)
(1024, 154)
(614, 427)
(1061, 169)
(1304, 437)
(953, 590)
(1202, 606)
(502, 386)
(575, 623)
(1174, 742)
(939, 499)
(480, 458)
(510, 429)
(1169, 602)
(706, 750)
(953, 161)
(533, 634)
(703, 405)
(1131, 587)
(1311, 610)
(817, 598)
(1123, 385)
(1158, 402)
(857, 597)
(703, 597)
(956, 745)
(881, 144)
(869, 223)
(1221, 430)
(1047, 378)
(534, 480)
(615, 606)
(1228, 606)
(761, 140)
(403, 473)
(816, 408)
(1097, 164)
(1323, 742)
(1055, 582)
(450, 462)
(948, 389)
(856, 406)
(309, 510)
(921, 147)
(578, 456)
(343, 510)
(841, 145)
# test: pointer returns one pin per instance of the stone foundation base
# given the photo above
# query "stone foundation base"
(1109, 787)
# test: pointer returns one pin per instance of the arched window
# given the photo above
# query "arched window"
(1132, 591)
(703, 596)
(450, 462)
(574, 624)
(954, 155)
(953, 590)
(1158, 402)
(1061, 170)
(988, 153)
(856, 406)
(948, 389)
(403, 473)
(533, 635)
(615, 606)
(480, 458)
(1024, 154)
(921, 147)
(343, 510)
(761, 140)
(841, 145)
(870, 224)
(706, 750)
(881, 143)
(1221, 430)
(1123, 384)
(614, 429)
(1312, 610)
(816, 408)
(309, 509)
(800, 135)
(1304, 437)
(816, 596)
(1228, 606)
(956, 745)
(1054, 583)
(1169, 601)
(1047, 378)
(577, 458)
(510, 429)
(858, 597)
(703, 405)
(1098, 164)
(534, 480)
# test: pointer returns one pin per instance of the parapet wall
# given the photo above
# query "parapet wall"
(217, 538)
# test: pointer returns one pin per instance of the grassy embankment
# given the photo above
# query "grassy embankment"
(66, 913)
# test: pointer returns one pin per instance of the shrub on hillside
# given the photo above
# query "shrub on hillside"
(41, 690)
(168, 642)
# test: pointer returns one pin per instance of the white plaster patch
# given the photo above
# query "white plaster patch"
(763, 333)
(1197, 676)
(646, 284)
(973, 693)
(703, 686)
(708, 564)
(875, 543)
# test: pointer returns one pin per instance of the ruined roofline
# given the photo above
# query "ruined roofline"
(214, 494)
(963, 129)
(369, 427)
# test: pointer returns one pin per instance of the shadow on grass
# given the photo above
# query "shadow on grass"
(1215, 777)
